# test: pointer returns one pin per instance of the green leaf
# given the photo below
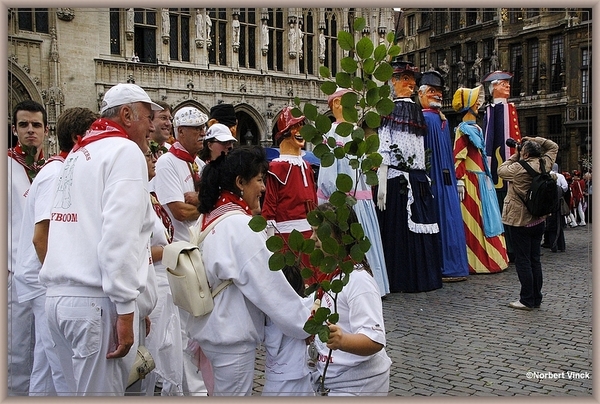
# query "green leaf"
(373, 97)
(347, 267)
(323, 123)
(354, 163)
(394, 50)
(343, 79)
(334, 317)
(332, 143)
(321, 314)
(369, 84)
(380, 53)
(320, 150)
(257, 223)
(310, 111)
(356, 253)
(312, 327)
(357, 231)
(383, 72)
(359, 24)
(325, 73)
(384, 91)
(348, 100)
(376, 157)
(369, 66)
(276, 261)
(315, 218)
(309, 133)
(344, 129)
(295, 240)
(330, 246)
(350, 114)
(364, 244)
(385, 106)
(327, 159)
(364, 48)
(345, 40)
(307, 273)
(358, 134)
(372, 119)
(337, 198)
(391, 37)
(371, 178)
(326, 285)
(367, 164)
(275, 243)
(324, 333)
(297, 101)
(316, 258)
(339, 153)
(373, 142)
(290, 258)
(328, 87)
(308, 245)
(337, 286)
(357, 84)
(296, 113)
(349, 64)
(344, 182)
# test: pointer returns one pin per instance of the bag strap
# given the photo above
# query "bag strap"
(528, 168)
(220, 287)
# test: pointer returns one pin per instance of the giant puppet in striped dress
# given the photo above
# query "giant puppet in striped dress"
(486, 246)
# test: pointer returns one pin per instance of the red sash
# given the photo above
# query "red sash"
(182, 154)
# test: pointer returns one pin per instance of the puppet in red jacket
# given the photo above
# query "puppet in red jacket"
(291, 191)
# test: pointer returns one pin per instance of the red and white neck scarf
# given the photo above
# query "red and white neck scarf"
(163, 215)
(227, 202)
(18, 154)
(181, 153)
(58, 157)
(100, 129)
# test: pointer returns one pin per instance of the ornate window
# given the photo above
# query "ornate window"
(586, 78)
(488, 14)
(179, 27)
(423, 61)
(531, 125)
(310, 44)
(33, 19)
(331, 29)
(441, 20)
(471, 16)
(145, 34)
(488, 50)
(534, 68)
(516, 66)
(115, 31)
(557, 63)
(276, 35)
(454, 19)
(247, 50)
(217, 53)
(411, 25)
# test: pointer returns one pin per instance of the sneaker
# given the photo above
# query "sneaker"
(520, 306)
(581, 224)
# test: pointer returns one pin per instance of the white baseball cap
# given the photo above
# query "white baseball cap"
(189, 116)
(122, 94)
(219, 132)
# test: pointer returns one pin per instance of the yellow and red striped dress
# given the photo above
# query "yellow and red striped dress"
(485, 254)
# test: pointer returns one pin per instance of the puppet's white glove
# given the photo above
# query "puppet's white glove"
(460, 185)
(382, 190)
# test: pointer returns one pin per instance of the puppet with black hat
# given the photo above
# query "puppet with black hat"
(446, 189)
(500, 122)
(405, 206)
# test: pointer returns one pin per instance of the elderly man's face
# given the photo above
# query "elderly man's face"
(431, 97)
(501, 89)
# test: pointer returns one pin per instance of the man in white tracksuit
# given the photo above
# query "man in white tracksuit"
(98, 243)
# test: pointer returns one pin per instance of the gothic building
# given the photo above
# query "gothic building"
(548, 50)
(258, 59)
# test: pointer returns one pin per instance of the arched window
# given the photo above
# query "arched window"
(247, 49)
(276, 35)
(179, 45)
(33, 19)
(330, 32)
(145, 34)
(310, 45)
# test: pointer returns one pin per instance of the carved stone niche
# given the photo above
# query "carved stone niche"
(65, 14)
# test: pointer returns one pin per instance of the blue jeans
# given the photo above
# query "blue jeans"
(526, 246)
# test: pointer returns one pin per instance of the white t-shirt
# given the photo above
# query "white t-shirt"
(173, 179)
(18, 187)
(360, 310)
(38, 206)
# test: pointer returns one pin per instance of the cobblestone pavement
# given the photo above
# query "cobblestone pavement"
(464, 340)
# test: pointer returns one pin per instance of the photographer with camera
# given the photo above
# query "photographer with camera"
(526, 229)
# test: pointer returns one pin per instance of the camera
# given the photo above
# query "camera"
(510, 142)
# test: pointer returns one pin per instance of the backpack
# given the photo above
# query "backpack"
(542, 196)
(186, 273)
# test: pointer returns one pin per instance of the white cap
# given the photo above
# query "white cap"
(189, 116)
(219, 132)
(122, 94)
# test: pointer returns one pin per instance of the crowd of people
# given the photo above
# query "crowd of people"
(87, 230)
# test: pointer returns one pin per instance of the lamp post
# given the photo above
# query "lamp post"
(248, 137)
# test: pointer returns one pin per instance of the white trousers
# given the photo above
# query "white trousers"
(192, 382)
(86, 325)
(21, 341)
(47, 376)
(297, 387)
(233, 372)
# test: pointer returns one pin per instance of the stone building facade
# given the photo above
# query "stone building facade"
(258, 59)
(547, 49)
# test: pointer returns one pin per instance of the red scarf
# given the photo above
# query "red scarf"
(100, 129)
(163, 215)
(178, 150)
(19, 155)
(227, 202)
(58, 157)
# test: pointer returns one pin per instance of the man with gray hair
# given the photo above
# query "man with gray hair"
(176, 185)
(101, 211)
